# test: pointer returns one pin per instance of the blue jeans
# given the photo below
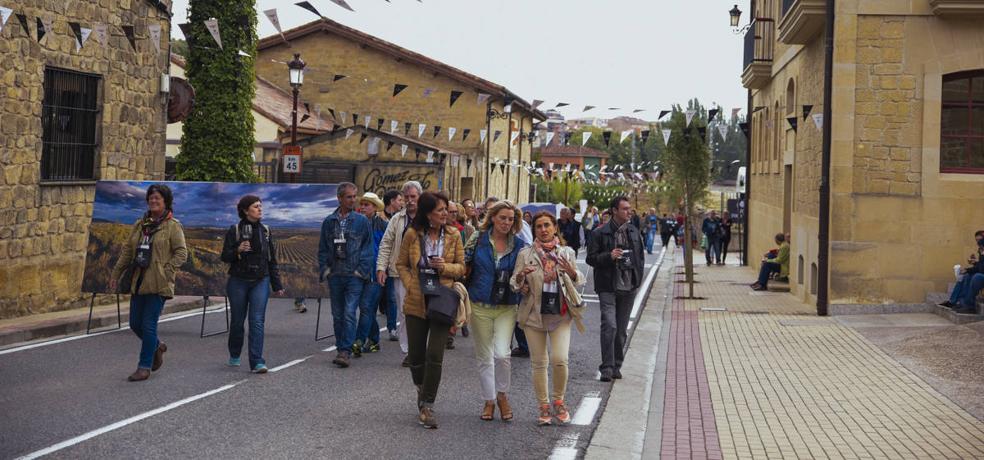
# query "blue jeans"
(650, 239)
(145, 310)
(368, 325)
(713, 251)
(391, 307)
(958, 290)
(972, 285)
(767, 269)
(247, 298)
(345, 293)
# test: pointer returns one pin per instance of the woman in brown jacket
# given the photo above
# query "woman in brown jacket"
(431, 248)
(153, 253)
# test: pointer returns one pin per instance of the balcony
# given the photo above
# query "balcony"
(957, 8)
(801, 20)
(759, 43)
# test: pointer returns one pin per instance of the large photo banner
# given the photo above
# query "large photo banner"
(206, 210)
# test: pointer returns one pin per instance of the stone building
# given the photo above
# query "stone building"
(436, 108)
(69, 116)
(574, 155)
(907, 143)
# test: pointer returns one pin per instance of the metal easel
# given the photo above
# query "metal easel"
(92, 304)
(202, 334)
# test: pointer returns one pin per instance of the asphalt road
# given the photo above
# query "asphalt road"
(71, 399)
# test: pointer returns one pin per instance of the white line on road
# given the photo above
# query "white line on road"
(586, 410)
(123, 423)
(649, 278)
(294, 362)
(566, 447)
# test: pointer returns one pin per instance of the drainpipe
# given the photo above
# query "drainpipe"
(488, 147)
(823, 235)
(748, 165)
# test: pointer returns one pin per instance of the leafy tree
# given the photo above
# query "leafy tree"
(179, 47)
(217, 143)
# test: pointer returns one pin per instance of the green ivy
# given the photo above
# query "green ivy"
(217, 143)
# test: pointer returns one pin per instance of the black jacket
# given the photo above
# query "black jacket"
(572, 233)
(256, 264)
(600, 258)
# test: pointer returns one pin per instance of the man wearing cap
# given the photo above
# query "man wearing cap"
(367, 333)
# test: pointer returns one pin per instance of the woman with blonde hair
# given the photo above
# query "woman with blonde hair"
(547, 275)
(490, 256)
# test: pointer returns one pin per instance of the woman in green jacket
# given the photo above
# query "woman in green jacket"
(778, 264)
(153, 253)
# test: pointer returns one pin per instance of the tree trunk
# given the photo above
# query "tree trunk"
(688, 254)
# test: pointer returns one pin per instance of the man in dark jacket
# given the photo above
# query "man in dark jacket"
(616, 254)
(711, 228)
(667, 225)
(570, 229)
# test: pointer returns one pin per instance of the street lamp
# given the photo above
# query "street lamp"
(296, 78)
(735, 14)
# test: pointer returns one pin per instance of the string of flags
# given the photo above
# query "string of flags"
(44, 27)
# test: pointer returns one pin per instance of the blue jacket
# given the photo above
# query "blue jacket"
(483, 269)
(360, 251)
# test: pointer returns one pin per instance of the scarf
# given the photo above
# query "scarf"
(548, 259)
(625, 279)
(622, 235)
(149, 224)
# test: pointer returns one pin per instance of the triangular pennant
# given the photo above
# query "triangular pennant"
(792, 122)
(513, 136)
(406, 128)
(614, 108)
(428, 92)
(131, 36)
(625, 134)
(22, 19)
(343, 4)
(308, 6)
(690, 116)
(734, 111)
(155, 36)
(806, 111)
(744, 128)
(403, 150)
(818, 120)
(567, 137)
(607, 135)
(666, 136)
(398, 88)
(482, 97)
(42, 29)
(348, 133)
(584, 137)
(420, 130)
(588, 107)
(212, 25)
(454, 97)
(536, 103)
(379, 124)
(373, 146)
(304, 117)
(338, 77)
(638, 110)
(4, 16)
(495, 137)
(482, 135)
(663, 113)
(437, 130)
(362, 137)
(561, 104)
(368, 119)
(711, 114)
(389, 145)
(317, 113)
(430, 156)
(550, 136)
(393, 126)
(723, 131)
(451, 132)
(271, 14)
(464, 134)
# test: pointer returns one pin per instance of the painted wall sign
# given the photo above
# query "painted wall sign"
(379, 179)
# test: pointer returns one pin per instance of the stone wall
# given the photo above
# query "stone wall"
(44, 227)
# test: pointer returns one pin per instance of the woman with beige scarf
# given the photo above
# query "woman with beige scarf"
(546, 273)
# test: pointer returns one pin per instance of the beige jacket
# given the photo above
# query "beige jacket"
(454, 268)
(389, 247)
(464, 305)
(532, 287)
(168, 253)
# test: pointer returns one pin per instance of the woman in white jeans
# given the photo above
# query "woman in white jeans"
(543, 273)
(490, 256)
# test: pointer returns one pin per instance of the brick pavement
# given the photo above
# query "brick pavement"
(784, 383)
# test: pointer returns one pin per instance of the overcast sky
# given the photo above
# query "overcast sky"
(645, 54)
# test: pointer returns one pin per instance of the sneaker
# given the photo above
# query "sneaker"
(260, 369)
(406, 361)
(393, 336)
(357, 348)
(545, 418)
(560, 412)
(233, 362)
(617, 374)
(371, 347)
(519, 353)
(427, 418)
(946, 304)
(606, 376)
(341, 359)
(299, 307)
(450, 344)
(464, 331)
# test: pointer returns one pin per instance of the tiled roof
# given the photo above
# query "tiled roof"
(571, 151)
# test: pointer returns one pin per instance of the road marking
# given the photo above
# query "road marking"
(566, 447)
(586, 410)
(123, 423)
(294, 362)
(637, 304)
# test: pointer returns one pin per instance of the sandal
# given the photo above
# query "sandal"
(488, 412)
(504, 410)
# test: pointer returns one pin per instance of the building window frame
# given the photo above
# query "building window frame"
(71, 112)
(967, 135)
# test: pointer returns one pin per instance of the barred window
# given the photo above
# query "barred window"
(962, 123)
(69, 118)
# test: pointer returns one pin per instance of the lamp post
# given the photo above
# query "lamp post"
(296, 71)
(489, 116)
(508, 109)
(530, 137)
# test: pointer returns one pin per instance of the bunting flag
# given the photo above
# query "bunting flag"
(131, 36)
(428, 92)
(342, 4)
(317, 112)
(348, 133)
(389, 145)
(723, 131)
(607, 135)
(711, 114)
(398, 88)
(362, 137)
(744, 128)
(43, 27)
(495, 137)
(275, 20)
(567, 137)
(513, 136)
(4, 16)
(373, 146)
(482, 97)
(638, 110)
(550, 136)
(379, 124)
(308, 6)
(406, 128)
(342, 117)
(82, 34)
(666, 136)
(430, 156)
(22, 19)
(304, 117)
(818, 120)
(454, 97)
(393, 125)
(588, 107)
(625, 134)
(614, 108)
(792, 122)
(734, 112)
(482, 135)
(464, 134)
(806, 111)
(212, 25)
(690, 116)
(437, 130)
(561, 104)
(584, 137)
(451, 132)
(403, 150)
(155, 36)
(338, 77)
(420, 130)
(536, 103)
(645, 136)
(368, 119)
(663, 113)
(243, 53)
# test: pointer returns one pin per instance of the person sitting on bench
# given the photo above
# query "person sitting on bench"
(778, 264)
(962, 299)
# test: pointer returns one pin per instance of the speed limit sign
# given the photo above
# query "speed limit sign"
(292, 159)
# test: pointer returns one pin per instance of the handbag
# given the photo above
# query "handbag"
(442, 308)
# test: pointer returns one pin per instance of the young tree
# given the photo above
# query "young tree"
(217, 143)
(686, 161)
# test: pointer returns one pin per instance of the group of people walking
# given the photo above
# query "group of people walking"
(438, 267)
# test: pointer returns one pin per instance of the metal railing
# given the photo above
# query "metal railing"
(69, 120)
(759, 42)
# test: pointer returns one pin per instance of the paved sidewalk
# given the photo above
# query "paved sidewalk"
(759, 375)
